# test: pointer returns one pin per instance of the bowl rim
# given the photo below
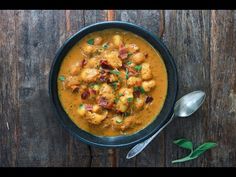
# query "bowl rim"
(118, 24)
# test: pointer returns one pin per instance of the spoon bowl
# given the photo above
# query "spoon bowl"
(189, 103)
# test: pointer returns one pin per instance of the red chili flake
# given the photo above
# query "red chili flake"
(89, 107)
(104, 64)
(123, 52)
(83, 63)
(149, 99)
(85, 94)
(139, 83)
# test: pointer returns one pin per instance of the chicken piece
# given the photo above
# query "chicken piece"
(89, 49)
(96, 108)
(137, 58)
(113, 78)
(106, 97)
(123, 124)
(139, 102)
(132, 48)
(89, 74)
(98, 40)
(117, 40)
(95, 118)
(127, 92)
(125, 99)
(122, 104)
(105, 88)
(148, 85)
(72, 82)
(134, 81)
(93, 62)
(113, 59)
(146, 72)
(75, 69)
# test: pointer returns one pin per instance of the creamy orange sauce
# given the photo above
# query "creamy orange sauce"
(72, 100)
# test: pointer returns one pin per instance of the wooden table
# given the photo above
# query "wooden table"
(203, 44)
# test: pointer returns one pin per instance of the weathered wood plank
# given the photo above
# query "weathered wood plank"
(100, 157)
(223, 89)
(152, 20)
(8, 89)
(187, 35)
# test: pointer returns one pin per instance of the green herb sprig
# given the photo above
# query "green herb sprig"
(194, 153)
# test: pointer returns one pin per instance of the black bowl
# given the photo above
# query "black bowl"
(116, 141)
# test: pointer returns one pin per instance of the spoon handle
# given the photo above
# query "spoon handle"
(139, 147)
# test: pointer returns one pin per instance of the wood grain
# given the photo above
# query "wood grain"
(203, 44)
(187, 37)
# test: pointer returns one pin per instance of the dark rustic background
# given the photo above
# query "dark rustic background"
(203, 44)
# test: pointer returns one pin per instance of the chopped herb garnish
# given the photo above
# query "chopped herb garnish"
(119, 121)
(119, 78)
(130, 99)
(138, 67)
(105, 46)
(120, 94)
(101, 50)
(116, 72)
(129, 54)
(114, 85)
(90, 41)
(126, 73)
(92, 85)
(140, 89)
(116, 100)
(126, 114)
(81, 106)
(129, 63)
(62, 78)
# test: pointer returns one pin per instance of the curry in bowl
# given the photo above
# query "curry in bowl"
(112, 82)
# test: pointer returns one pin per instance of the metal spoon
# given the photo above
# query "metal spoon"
(184, 107)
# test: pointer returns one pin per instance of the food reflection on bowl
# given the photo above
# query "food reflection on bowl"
(113, 84)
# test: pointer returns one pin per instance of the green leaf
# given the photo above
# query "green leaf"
(142, 90)
(202, 148)
(90, 41)
(116, 100)
(138, 67)
(129, 54)
(119, 121)
(184, 143)
(116, 72)
(126, 74)
(114, 85)
(130, 99)
(81, 106)
(105, 46)
(129, 63)
(62, 78)
(126, 114)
